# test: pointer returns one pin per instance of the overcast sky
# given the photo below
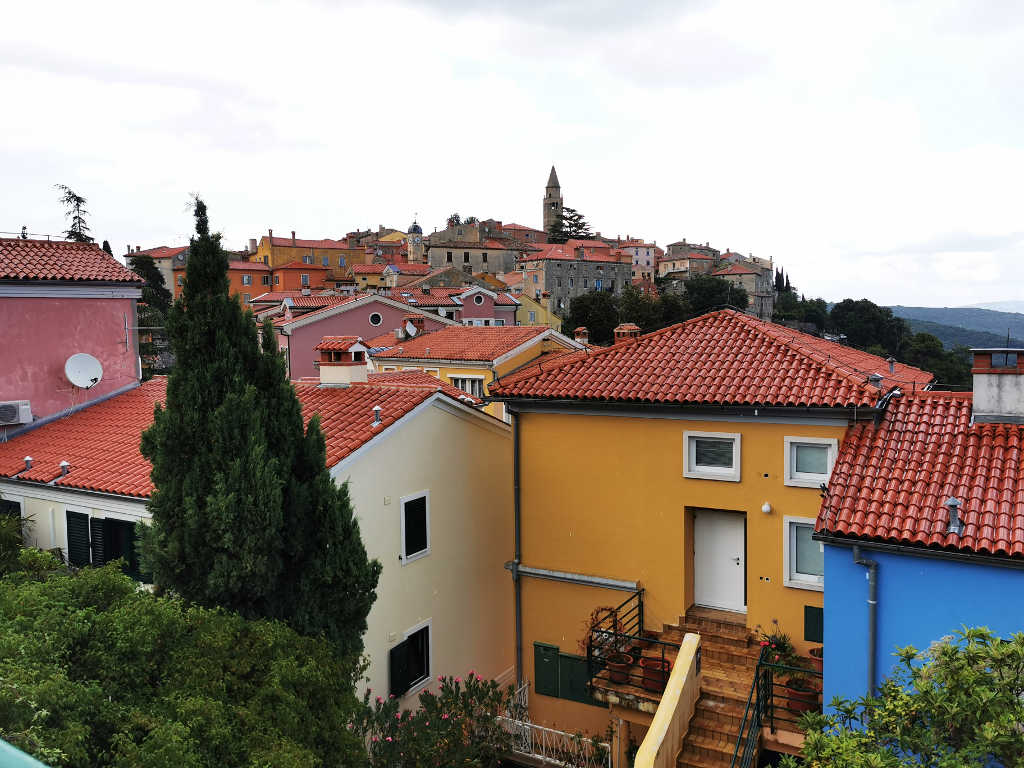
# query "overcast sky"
(872, 149)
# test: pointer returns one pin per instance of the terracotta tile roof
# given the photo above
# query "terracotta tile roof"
(564, 252)
(369, 269)
(444, 297)
(318, 301)
(159, 252)
(522, 227)
(287, 242)
(101, 443)
(512, 279)
(300, 265)
(720, 357)
(418, 378)
(734, 269)
(336, 342)
(55, 260)
(412, 269)
(890, 482)
(462, 342)
(383, 341)
(341, 300)
(249, 266)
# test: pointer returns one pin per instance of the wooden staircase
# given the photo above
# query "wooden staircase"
(728, 662)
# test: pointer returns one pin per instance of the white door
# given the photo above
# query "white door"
(719, 564)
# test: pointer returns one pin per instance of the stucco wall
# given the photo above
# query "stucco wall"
(920, 600)
(40, 334)
(461, 586)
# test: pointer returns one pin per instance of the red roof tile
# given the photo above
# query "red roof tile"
(336, 342)
(287, 241)
(368, 269)
(300, 265)
(55, 260)
(721, 357)
(444, 297)
(340, 300)
(462, 342)
(734, 269)
(159, 252)
(248, 266)
(412, 269)
(890, 482)
(420, 378)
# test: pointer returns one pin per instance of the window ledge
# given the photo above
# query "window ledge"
(808, 585)
(418, 686)
(697, 474)
(406, 559)
(802, 483)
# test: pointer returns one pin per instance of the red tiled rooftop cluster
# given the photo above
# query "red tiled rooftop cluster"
(722, 357)
(288, 242)
(443, 297)
(460, 342)
(420, 378)
(54, 260)
(890, 482)
(328, 343)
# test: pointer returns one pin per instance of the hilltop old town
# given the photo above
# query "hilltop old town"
(477, 492)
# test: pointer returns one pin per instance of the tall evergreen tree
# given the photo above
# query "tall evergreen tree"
(106, 247)
(78, 231)
(154, 292)
(245, 514)
(569, 225)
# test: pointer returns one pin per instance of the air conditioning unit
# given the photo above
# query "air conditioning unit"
(15, 412)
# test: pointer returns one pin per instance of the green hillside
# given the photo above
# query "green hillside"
(952, 336)
(970, 319)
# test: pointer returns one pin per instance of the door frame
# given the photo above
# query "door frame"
(691, 514)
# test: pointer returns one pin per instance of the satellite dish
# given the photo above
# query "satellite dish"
(410, 329)
(83, 370)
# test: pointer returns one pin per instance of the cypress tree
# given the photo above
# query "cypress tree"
(106, 247)
(154, 292)
(245, 514)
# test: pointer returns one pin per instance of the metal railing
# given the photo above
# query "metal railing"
(554, 747)
(779, 695)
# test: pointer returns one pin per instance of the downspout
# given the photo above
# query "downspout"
(518, 553)
(872, 566)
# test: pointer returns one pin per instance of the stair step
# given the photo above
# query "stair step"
(693, 761)
(722, 721)
(704, 626)
(708, 748)
(713, 729)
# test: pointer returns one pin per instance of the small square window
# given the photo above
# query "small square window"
(246, 279)
(1004, 359)
(266, 279)
(326, 261)
(804, 558)
(711, 455)
(448, 257)
(305, 281)
(809, 460)
(307, 258)
(415, 527)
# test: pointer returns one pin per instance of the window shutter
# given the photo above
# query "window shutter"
(545, 669)
(814, 624)
(99, 551)
(119, 541)
(572, 678)
(398, 669)
(415, 511)
(78, 539)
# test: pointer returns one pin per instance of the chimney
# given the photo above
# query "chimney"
(306, 291)
(892, 364)
(293, 237)
(28, 463)
(270, 234)
(998, 385)
(417, 322)
(252, 245)
(954, 524)
(425, 290)
(399, 334)
(581, 334)
(65, 467)
(376, 416)
(626, 332)
(138, 248)
(342, 361)
(875, 379)
(380, 229)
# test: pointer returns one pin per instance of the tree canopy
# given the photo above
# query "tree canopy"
(959, 704)
(706, 294)
(78, 229)
(155, 292)
(95, 672)
(570, 224)
(245, 513)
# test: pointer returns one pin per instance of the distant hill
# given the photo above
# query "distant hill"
(968, 319)
(1000, 306)
(951, 336)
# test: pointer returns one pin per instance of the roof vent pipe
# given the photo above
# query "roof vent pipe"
(65, 467)
(376, 416)
(28, 463)
(876, 379)
(955, 525)
(892, 364)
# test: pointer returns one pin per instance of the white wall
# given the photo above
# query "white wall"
(461, 587)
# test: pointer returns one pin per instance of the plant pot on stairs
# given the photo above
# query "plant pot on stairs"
(655, 673)
(618, 667)
(817, 658)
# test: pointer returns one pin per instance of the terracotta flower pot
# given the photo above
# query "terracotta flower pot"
(801, 699)
(817, 658)
(618, 667)
(655, 674)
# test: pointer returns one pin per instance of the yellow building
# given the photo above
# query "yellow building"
(676, 475)
(533, 312)
(336, 255)
(473, 357)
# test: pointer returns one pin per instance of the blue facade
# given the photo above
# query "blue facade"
(920, 600)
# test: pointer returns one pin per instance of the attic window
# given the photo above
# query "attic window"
(358, 357)
(1004, 359)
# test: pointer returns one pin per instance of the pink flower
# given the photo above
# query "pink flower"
(440, 678)
(764, 643)
(479, 678)
(472, 672)
(375, 738)
(458, 679)
(379, 699)
(388, 739)
(776, 657)
(444, 716)
(398, 716)
(428, 722)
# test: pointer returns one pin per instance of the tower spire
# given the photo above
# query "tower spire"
(553, 178)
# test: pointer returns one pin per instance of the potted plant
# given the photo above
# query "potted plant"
(817, 658)
(655, 673)
(801, 693)
(606, 619)
(619, 664)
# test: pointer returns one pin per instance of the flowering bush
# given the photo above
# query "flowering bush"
(458, 725)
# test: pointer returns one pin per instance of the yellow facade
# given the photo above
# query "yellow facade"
(541, 315)
(339, 260)
(605, 495)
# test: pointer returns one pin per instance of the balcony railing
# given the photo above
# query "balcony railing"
(775, 702)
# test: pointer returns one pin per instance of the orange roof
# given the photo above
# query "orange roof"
(384, 340)
(463, 342)
(512, 279)
(368, 269)
(444, 297)
(248, 266)
(300, 265)
(721, 357)
(890, 482)
(339, 301)
(565, 252)
(734, 269)
(101, 442)
(158, 252)
(55, 260)
(419, 378)
(336, 342)
(287, 241)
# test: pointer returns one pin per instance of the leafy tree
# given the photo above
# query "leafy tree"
(569, 225)
(706, 294)
(78, 231)
(598, 311)
(245, 514)
(865, 323)
(960, 704)
(106, 247)
(154, 292)
(95, 672)
(454, 220)
(789, 307)
(639, 308)
(926, 351)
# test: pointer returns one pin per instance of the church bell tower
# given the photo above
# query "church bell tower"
(552, 200)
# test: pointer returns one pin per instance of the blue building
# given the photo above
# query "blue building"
(924, 514)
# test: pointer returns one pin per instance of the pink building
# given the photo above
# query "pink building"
(366, 315)
(58, 299)
(469, 305)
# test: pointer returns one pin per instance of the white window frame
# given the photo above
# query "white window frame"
(246, 279)
(428, 624)
(406, 559)
(690, 468)
(791, 578)
(806, 479)
(304, 280)
(452, 379)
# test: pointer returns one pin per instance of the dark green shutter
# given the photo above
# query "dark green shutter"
(573, 678)
(119, 541)
(78, 539)
(99, 551)
(415, 511)
(398, 669)
(545, 669)
(814, 624)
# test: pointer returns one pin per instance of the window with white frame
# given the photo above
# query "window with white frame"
(533, 316)
(415, 526)
(409, 661)
(803, 559)
(809, 460)
(711, 455)
(246, 279)
(305, 280)
(471, 385)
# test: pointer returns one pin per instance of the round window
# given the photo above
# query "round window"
(376, 319)
(478, 299)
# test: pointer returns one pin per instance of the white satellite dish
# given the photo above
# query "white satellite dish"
(410, 329)
(83, 370)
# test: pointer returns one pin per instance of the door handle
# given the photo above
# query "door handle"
(736, 560)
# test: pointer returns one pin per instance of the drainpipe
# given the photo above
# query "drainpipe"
(872, 566)
(518, 554)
